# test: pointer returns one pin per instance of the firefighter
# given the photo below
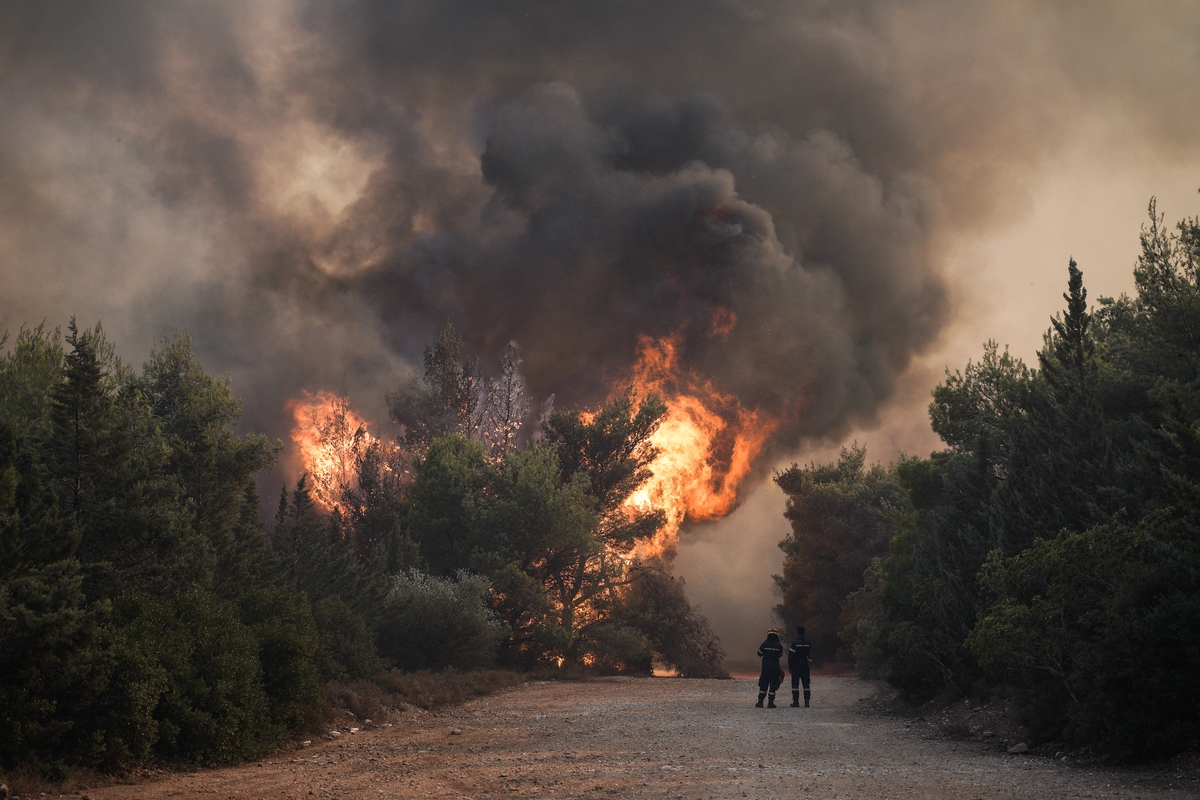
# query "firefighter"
(770, 652)
(799, 657)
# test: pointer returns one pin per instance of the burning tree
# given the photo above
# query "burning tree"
(333, 441)
(556, 525)
(453, 396)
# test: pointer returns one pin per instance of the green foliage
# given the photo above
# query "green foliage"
(843, 516)
(863, 621)
(348, 646)
(126, 488)
(48, 658)
(443, 503)
(611, 647)
(653, 606)
(430, 622)
(288, 648)
(1102, 628)
(1053, 545)
(145, 613)
(1062, 471)
(29, 374)
(108, 462)
(612, 451)
(316, 556)
(215, 468)
(553, 559)
(213, 709)
(545, 525)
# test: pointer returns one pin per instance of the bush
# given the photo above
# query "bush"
(348, 646)
(1102, 630)
(654, 604)
(213, 709)
(288, 652)
(614, 647)
(429, 622)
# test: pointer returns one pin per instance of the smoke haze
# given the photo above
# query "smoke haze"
(313, 189)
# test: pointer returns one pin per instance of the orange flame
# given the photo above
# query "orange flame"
(707, 444)
(331, 439)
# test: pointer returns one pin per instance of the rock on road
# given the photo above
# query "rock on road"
(653, 738)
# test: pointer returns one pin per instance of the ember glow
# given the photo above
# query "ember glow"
(707, 444)
(331, 439)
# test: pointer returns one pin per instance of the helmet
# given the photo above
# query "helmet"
(772, 632)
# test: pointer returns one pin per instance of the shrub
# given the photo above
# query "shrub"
(348, 646)
(1102, 630)
(288, 652)
(654, 604)
(614, 647)
(430, 622)
(213, 709)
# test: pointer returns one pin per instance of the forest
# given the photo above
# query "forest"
(1050, 553)
(147, 614)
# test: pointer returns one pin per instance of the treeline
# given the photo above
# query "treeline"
(146, 612)
(1052, 549)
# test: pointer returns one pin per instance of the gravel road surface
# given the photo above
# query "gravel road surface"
(655, 738)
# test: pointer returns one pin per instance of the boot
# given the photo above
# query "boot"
(761, 695)
(771, 700)
(795, 698)
(806, 696)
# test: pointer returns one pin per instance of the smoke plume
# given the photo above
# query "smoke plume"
(313, 189)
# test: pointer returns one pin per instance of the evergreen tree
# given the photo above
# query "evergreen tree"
(49, 655)
(29, 373)
(316, 556)
(612, 450)
(446, 399)
(109, 464)
(1062, 472)
(841, 518)
(215, 467)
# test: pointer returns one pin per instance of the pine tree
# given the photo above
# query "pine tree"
(316, 555)
(1062, 471)
(109, 464)
(446, 399)
(215, 467)
(48, 630)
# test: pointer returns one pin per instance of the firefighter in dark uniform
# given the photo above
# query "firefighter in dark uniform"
(799, 657)
(770, 652)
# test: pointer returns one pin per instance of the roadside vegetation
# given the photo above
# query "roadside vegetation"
(1051, 550)
(146, 614)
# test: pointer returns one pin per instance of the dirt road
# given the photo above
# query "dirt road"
(655, 738)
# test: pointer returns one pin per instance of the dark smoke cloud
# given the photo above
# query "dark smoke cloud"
(312, 189)
(599, 230)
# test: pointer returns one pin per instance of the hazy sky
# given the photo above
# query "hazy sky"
(872, 188)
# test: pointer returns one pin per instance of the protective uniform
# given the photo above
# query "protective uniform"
(799, 657)
(770, 652)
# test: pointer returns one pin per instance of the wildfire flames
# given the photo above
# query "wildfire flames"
(707, 444)
(330, 438)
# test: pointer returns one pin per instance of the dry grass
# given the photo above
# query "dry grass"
(385, 695)
(28, 782)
